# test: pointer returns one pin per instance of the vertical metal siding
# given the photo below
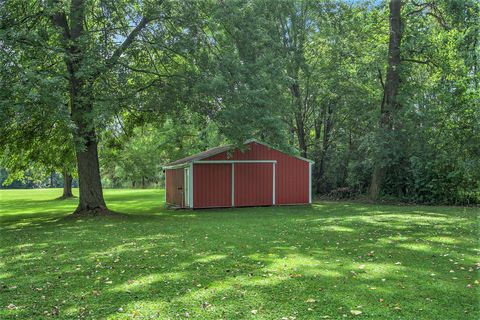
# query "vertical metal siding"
(291, 173)
(212, 185)
(253, 184)
(175, 186)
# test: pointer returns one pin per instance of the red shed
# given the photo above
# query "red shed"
(227, 177)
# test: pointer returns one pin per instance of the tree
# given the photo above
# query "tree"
(33, 138)
(82, 77)
(390, 114)
(390, 103)
(83, 35)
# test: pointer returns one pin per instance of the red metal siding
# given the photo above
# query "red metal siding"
(175, 186)
(212, 185)
(291, 174)
(253, 184)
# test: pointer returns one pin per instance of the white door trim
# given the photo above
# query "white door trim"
(165, 187)
(273, 185)
(190, 184)
(309, 182)
(233, 184)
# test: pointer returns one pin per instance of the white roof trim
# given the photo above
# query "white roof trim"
(185, 164)
(267, 145)
(233, 161)
(177, 166)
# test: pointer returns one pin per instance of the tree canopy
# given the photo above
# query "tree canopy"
(382, 95)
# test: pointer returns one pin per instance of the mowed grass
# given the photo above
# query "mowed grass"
(325, 261)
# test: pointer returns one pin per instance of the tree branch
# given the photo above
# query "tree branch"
(59, 19)
(440, 20)
(380, 78)
(422, 7)
(110, 62)
(417, 61)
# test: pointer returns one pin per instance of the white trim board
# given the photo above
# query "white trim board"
(273, 185)
(177, 166)
(232, 161)
(232, 147)
(233, 184)
(190, 182)
(310, 182)
(165, 188)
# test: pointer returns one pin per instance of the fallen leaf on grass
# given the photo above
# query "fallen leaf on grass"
(311, 300)
(55, 311)
(356, 312)
(254, 311)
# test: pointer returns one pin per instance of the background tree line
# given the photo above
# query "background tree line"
(382, 95)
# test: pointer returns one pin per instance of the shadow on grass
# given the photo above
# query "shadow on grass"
(302, 262)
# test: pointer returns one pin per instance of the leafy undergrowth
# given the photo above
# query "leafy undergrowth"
(327, 261)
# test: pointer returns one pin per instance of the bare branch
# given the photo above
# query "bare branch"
(440, 20)
(126, 43)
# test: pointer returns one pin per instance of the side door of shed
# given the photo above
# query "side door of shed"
(175, 186)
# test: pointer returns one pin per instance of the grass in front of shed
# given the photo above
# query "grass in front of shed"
(330, 260)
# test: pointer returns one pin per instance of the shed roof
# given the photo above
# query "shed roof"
(217, 150)
(201, 155)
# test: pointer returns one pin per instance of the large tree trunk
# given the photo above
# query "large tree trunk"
(390, 102)
(91, 200)
(67, 185)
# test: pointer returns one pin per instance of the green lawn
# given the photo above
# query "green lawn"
(327, 261)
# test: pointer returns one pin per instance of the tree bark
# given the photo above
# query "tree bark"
(67, 185)
(327, 128)
(91, 200)
(390, 102)
(299, 121)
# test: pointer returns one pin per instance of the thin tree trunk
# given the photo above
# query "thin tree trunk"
(299, 121)
(67, 185)
(327, 128)
(390, 102)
